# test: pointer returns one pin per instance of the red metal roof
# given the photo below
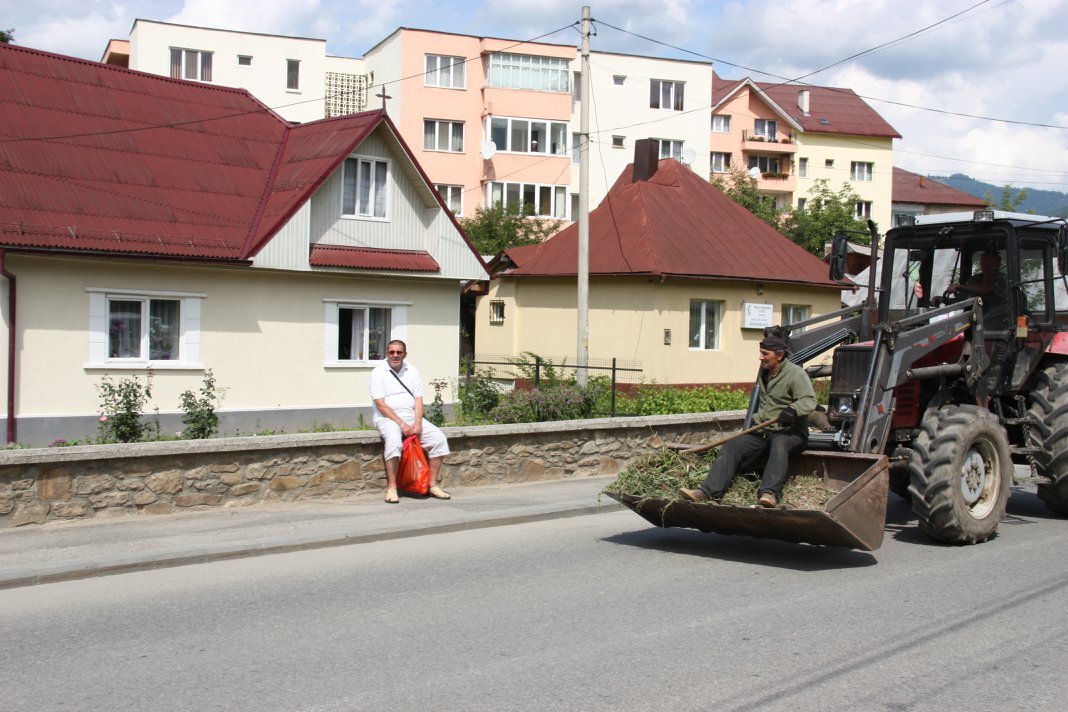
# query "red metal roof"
(677, 225)
(914, 188)
(373, 258)
(103, 159)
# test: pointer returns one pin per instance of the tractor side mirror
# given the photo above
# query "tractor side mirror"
(839, 250)
(1062, 249)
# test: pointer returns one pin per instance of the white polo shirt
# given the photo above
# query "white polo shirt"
(383, 385)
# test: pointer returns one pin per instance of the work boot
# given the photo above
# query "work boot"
(694, 495)
(768, 499)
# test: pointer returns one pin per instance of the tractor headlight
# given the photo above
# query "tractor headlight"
(842, 406)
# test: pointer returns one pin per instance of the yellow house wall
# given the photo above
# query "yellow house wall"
(627, 320)
(843, 150)
(262, 334)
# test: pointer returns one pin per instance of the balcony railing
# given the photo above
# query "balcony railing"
(762, 138)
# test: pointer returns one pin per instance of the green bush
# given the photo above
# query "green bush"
(122, 403)
(478, 395)
(564, 402)
(435, 412)
(651, 399)
(198, 414)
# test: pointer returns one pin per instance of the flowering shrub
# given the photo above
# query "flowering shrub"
(121, 408)
(198, 414)
(564, 402)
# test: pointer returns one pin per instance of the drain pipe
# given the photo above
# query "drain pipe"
(12, 431)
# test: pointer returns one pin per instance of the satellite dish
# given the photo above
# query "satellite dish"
(489, 150)
(754, 172)
(689, 155)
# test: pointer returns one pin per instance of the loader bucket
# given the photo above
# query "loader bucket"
(855, 517)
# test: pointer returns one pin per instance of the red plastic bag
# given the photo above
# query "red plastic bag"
(414, 472)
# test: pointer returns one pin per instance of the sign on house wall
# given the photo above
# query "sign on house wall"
(757, 316)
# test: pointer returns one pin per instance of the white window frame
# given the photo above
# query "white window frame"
(189, 317)
(828, 163)
(375, 189)
(721, 123)
(619, 80)
(442, 71)
(862, 209)
(706, 305)
(765, 164)
(524, 145)
(619, 142)
(504, 193)
(669, 148)
(861, 171)
(720, 161)
(667, 91)
(293, 75)
(802, 167)
(506, 70)
(795, 314)
(768, 128)
(449, 135)
(201, 73)
(453, 196)
(244, 60)
(332, 324)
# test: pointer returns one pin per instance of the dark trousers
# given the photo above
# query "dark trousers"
(742, 453)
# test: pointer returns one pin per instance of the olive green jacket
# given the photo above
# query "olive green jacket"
(791, 386)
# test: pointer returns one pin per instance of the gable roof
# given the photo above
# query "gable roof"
(102, 159)
(832, 110)
(913, 188)
(676, 225)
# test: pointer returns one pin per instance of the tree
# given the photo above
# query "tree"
(825, 214)
(7, 36)
(494, 229)
(1011, 198)
(742, 189)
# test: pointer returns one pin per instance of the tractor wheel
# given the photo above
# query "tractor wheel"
(1049, 406)
(961, 472)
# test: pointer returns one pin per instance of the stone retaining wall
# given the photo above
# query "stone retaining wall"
(50, 484)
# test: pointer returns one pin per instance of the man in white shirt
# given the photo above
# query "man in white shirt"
(397, 395)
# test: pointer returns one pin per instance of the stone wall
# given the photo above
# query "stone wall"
(49, 484)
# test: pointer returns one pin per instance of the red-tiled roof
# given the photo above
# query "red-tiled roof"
(677, 225)
(103, 159)
(913, 188)
(831, 110)
(372, 258)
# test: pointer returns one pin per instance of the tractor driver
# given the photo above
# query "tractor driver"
(990, 284)
(785, 398)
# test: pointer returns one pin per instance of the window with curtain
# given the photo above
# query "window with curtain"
(721, 123)
(795, 314)
(453, 197)
(365, 187)
(191, 64)
(143, 329)
(721, 162)
(543, 200)
(665, 94)
(704, 324)
(669, 148)
(547, 138)
(293, 74)
(443, 135)
(445, 72)
(363, 332)
(766, 128)
(525, 71)
(861, 171)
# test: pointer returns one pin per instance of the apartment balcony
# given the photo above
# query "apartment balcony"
(767, 145)
(772, 182)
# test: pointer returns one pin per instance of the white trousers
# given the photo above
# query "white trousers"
(432, 439)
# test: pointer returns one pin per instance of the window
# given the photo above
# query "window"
(443, 135)
(669, 148)
(862, 209)
(453, 197)
(135, 328)
(704, 324)
(362, 332)
(525, 71)
(576, 144)
(766, 164)
(904, 219)
(576, 87)
(293, 74)
(802, 168)
(801, 202)
(721, 162)
(794, 314)
(860, 171)
(721, 123)
(529, 136)
(243, 60)
(619, 80)
(190, 64)
(828, 163)
(364, 187)
(544, 200)
(665, 95)
(496, 311)
(765, 128)
(617, 141)
(445, 72)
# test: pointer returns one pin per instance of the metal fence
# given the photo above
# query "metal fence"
(529, 370)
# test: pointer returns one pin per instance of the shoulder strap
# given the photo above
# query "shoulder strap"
(401, 382)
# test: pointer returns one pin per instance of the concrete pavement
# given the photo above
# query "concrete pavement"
(62, 551)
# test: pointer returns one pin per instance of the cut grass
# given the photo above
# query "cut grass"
(661, 474)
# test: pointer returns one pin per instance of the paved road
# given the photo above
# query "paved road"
(599, 612)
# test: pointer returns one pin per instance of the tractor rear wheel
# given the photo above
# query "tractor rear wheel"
(1049, 406)
(961, 471)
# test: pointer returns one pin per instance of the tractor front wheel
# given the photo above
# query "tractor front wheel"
(1049, 407)
(960, 473)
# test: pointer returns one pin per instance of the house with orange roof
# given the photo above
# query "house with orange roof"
(788, 136)
(164, 226)
(681, 279)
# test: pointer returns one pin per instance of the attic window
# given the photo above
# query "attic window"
(496, 313)
(617, 141)
(244, 60)
(619, 80)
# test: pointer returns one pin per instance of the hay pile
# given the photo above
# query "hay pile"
(660, 475)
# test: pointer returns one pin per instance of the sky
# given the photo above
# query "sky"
(973, 86)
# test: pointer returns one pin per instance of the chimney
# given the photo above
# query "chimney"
(923, 181)
(802, 101)
(646, 159)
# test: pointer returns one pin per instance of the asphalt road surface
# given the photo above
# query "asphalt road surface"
(602, 612)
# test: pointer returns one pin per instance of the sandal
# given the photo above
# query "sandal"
(391, 496)
(438, 493)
